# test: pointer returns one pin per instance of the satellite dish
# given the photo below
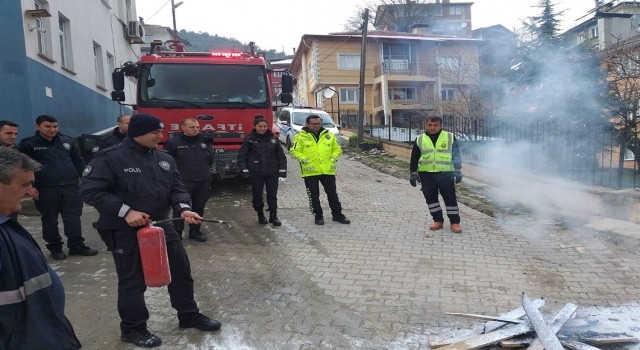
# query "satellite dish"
(329, 92)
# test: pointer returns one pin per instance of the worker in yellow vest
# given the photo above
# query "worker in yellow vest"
(436, 164)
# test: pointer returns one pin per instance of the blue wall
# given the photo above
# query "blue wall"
(14, 102)
(22, 87)
(79, 110)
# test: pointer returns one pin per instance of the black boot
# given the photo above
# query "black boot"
(261, 218)
(273, 218)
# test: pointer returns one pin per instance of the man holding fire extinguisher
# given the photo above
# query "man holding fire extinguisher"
(130, 185)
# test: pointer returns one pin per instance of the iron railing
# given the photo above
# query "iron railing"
(587, 153)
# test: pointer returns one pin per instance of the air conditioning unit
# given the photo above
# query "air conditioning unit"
(135, 32)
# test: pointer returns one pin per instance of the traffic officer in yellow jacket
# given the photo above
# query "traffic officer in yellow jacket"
(317, 151)
(436, 163)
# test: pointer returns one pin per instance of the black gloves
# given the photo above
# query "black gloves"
(457, 176)
(414, 179)
(245, 173)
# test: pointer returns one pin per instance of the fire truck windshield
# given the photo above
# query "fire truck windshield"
(202, 85)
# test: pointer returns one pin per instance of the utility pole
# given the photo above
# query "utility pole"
(363, 59)
(173, 14)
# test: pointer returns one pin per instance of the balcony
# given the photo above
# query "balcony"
(406, 71)
(422, 102)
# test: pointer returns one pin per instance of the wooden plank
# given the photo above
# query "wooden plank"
(514, 314)
(569, 344)
(485, 317)
(481, 340)
(558, 321)
(543, 331)
(609, 340)
(576, 345)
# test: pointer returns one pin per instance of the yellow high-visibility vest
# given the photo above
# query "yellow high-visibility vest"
(435, 158)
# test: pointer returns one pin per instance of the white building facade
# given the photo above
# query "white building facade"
(58, 59)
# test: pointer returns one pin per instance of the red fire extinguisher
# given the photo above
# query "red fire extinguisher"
(153, 253)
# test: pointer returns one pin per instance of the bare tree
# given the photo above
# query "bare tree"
(392, 15)
(622, 65)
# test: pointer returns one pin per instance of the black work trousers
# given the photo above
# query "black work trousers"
(258, 183)
(131, 287)
(199, 192)
(313, 191)
(66, 202)
(443, 183)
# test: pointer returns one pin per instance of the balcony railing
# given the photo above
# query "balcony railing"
(420, 102)
(410, 69)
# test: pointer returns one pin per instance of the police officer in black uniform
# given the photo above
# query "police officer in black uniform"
(131, 184)
(115, 136)
(194, 156)
(56, 186)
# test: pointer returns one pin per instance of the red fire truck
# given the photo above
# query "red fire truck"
(224, 91)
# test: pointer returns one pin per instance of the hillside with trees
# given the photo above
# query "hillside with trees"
(203, 41)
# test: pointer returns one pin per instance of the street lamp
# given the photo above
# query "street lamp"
(173, 13)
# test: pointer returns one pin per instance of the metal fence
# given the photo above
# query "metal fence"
(588, 153)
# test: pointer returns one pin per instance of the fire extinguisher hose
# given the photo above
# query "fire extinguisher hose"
(205, 220)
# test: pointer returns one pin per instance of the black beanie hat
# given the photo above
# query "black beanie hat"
(143, 123)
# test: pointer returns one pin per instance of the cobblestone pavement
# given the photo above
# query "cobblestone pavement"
(382, 282)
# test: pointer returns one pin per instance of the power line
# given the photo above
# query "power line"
(155, 13)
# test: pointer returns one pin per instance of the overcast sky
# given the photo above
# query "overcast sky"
(279, 24)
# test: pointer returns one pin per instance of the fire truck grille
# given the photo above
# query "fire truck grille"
(223, 134)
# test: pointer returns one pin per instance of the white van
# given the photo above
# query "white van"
(290, 120)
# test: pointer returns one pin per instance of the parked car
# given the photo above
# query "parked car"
(290, 120)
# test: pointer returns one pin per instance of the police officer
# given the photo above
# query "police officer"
(318, 151)
(8, 133)
(31, 293)
(436, 163)
(262, 158)
(194, 156)
(56, 186)
(115, 136)
(131, 184)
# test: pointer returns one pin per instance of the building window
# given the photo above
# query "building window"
(455, 10)
(348, 62)
(450, 62)
(349, 95)
(402, 94)
(42, 27)
(111, 63)
(64, 38)
(447, 94)
(98, 65)
(593, 32)
(579, 39)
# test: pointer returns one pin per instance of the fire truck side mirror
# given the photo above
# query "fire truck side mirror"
(286, 98)
(118, 79)
(118, 96)
(287, 84)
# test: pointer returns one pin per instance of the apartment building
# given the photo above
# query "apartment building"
(405, 74)
(57, 59)
(608, 24)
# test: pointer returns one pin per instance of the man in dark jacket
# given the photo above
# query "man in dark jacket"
(56, 187)
(31, 294)
(8, 133)
(131, 184)
(115, 136)
(194, 156)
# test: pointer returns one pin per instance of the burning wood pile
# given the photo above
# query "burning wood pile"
(526, 327)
